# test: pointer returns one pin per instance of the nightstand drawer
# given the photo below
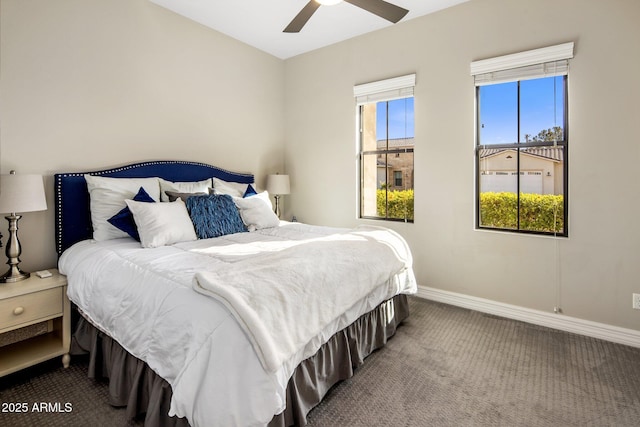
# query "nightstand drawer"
(29, 307)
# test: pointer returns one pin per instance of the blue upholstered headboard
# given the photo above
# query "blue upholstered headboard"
(73, 217)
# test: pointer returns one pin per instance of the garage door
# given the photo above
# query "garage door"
(506, 181)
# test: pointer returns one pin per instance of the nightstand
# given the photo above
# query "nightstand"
(35, 322)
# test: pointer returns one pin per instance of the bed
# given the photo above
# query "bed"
(230, 327)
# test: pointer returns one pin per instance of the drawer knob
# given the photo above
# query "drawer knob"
(18, 311)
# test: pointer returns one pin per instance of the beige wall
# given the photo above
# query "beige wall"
(90, 84)
(592, 274)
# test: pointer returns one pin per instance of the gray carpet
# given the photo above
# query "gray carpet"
(446, 366)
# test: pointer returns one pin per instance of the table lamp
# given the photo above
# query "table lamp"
(18, 193)
(278, 185)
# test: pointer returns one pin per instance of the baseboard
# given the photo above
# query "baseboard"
(588, 328)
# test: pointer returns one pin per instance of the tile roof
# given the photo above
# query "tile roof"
(395, 143)
(552, 153)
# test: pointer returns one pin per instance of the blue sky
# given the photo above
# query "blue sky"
(542, 107)
(400, 119)
(499, 103)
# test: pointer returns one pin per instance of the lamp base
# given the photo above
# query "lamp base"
(14, 274)
(13, 250)
(277, 208)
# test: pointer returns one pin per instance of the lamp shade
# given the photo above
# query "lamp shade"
(278, 184)
(21, 193)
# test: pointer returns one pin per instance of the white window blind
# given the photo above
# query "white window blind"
(544, 62)
(385, 90)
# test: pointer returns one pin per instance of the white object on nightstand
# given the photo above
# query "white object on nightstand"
(34, 303)
(43, 274)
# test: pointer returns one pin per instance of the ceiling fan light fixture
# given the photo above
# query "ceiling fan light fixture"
(328, 2)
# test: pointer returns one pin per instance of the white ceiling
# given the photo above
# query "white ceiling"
(259, 23)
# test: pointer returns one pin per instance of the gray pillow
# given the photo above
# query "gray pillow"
(174, 195)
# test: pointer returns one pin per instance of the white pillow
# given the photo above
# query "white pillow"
(107, 196)
(234, 189)
(256, 212)
(161, 224)
(183, 187)
(264, 196)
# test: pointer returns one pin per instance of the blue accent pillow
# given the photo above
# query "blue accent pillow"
(250, 191)
(124, 219)
(214, 215)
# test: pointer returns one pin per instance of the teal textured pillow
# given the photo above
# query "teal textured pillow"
(214, 215)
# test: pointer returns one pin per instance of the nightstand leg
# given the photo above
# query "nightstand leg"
(66, 359)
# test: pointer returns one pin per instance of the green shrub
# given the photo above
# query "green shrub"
(399, 204)
(537, 211)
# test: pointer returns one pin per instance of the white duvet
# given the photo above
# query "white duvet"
(144, 298)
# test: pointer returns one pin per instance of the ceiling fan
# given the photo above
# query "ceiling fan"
(385, 10)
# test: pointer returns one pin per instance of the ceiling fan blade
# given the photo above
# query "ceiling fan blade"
(301, 18)
(385, 10)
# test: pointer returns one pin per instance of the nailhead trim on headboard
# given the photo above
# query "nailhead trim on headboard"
(160, 168)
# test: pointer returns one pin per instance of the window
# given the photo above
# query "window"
(397, 177)
(385, 144)
(522, 141)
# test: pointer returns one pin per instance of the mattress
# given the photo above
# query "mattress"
(144, 299)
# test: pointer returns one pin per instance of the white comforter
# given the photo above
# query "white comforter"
(144, 299)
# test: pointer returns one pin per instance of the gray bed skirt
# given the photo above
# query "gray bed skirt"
(132, 384)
